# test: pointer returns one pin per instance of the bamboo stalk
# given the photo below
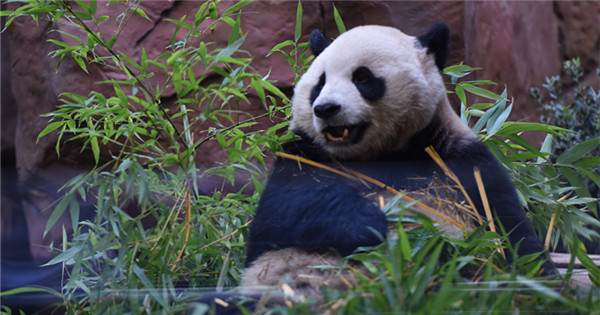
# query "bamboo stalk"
(549, 234)
(551, 225)
(484, 200)
(486, 205)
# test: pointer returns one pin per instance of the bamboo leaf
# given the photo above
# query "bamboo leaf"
(277, 47)
(298, 30)
(482, 92)
(144, 60)
(66, 255)
(81, 63)
(590, 266)
(512, 127)
(546, 148)
(123, 101)
(83, 5)
(499, 122)
(141, 13)
(489, 114)
(459, 70)
(178, 25)
(578, 151)
(131, 62)
(260, 91)
(460, 92)
(112, 40)
(139, 272)
(230, 49)
(29, 289)
(51, 127)
(93, 7)
(590, 161)
(338, 20)
(59, 210)
(236, 7)
(212, 11)
(235, 30)
(95, 148)
(82, 15)
(273, 89)
(201, 14)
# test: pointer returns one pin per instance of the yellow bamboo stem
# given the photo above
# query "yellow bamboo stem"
(484, 200)
(549, 234)
(486, 205)
(551, 225)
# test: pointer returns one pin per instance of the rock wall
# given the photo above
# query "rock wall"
(516, 43)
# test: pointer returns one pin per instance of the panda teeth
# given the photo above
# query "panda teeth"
(332, 138)
(345, 136)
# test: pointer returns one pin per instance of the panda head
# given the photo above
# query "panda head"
(370, 90)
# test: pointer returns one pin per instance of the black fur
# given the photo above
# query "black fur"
(316, 90)
(437, 42)
(318, 42)
(312, 209)
(369, 86)
(307, 207)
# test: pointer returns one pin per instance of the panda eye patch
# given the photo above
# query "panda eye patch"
(316, 90)
(369, 86)
(362, 75)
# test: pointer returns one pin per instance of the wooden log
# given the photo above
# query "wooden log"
(579, 275)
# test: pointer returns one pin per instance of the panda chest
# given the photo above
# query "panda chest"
(400, 175)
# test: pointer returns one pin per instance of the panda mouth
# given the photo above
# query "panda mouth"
(347, 134)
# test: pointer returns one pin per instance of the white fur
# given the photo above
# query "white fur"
(414, 95)
(298, 271)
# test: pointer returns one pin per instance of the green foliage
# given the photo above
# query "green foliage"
(576, 109)
(296, 57)
(423, 272)
(536, 172)
(155, 231)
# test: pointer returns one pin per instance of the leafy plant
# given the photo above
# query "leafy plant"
(536, 172)
(575, 107)
(154, 230)
(145, 150)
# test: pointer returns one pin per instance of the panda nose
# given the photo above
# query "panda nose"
(326, 111)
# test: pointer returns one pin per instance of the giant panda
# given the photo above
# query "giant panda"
(372, 101)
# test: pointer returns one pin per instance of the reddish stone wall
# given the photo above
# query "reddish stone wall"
(516, 43)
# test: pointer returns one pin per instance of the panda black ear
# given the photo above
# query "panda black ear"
(437, 42)
(318, 42)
